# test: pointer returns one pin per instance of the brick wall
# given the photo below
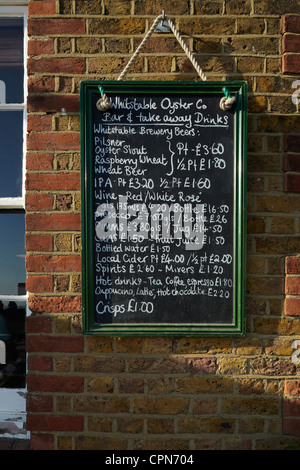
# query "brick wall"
(291, 65)
(162, 393)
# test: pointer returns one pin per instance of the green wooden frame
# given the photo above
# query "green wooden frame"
(235, 88)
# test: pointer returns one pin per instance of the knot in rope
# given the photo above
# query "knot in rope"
(104, 104)
(227, 103)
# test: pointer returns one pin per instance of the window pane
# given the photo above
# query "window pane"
(12, 348)
(11, 60)
(12, 254)
(11, 153)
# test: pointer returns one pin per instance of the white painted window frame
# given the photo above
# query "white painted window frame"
(14, 9)
(13, 401)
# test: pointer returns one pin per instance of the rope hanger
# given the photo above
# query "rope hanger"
(104, 102)
(163, 18)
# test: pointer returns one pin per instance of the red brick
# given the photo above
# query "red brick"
(292, 286)
(39, 161)
(292, 162)
(291, 63)
(41, 202)
(67, 65)
(41, 441)
(292, 306)
(55, 423)
(41, 84)
(42, 27)
(291, 24)
(201, 365)
(39, 403)
(291, 43)
(53, 103)
(53, 182)
(52, 222)
(48, 263)
(292, 387)
(272, 366)
(292, 183)
(38, 242)
(54, 304)
(291, 143)
(41, 46)
(54, 141)
(39, 284)
(60, 344)
(39, 123)
(38, 324)
(292, 265)
(45, 7)
(291, 407)
(40, 363)
(291, 427)
(52, 383)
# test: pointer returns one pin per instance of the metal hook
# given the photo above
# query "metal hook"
(163, 26)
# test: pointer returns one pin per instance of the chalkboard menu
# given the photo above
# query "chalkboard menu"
(163, 208)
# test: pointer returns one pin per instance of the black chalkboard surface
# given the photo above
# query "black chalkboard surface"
(163, 208)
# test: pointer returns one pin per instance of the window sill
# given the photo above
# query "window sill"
(12, 203)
